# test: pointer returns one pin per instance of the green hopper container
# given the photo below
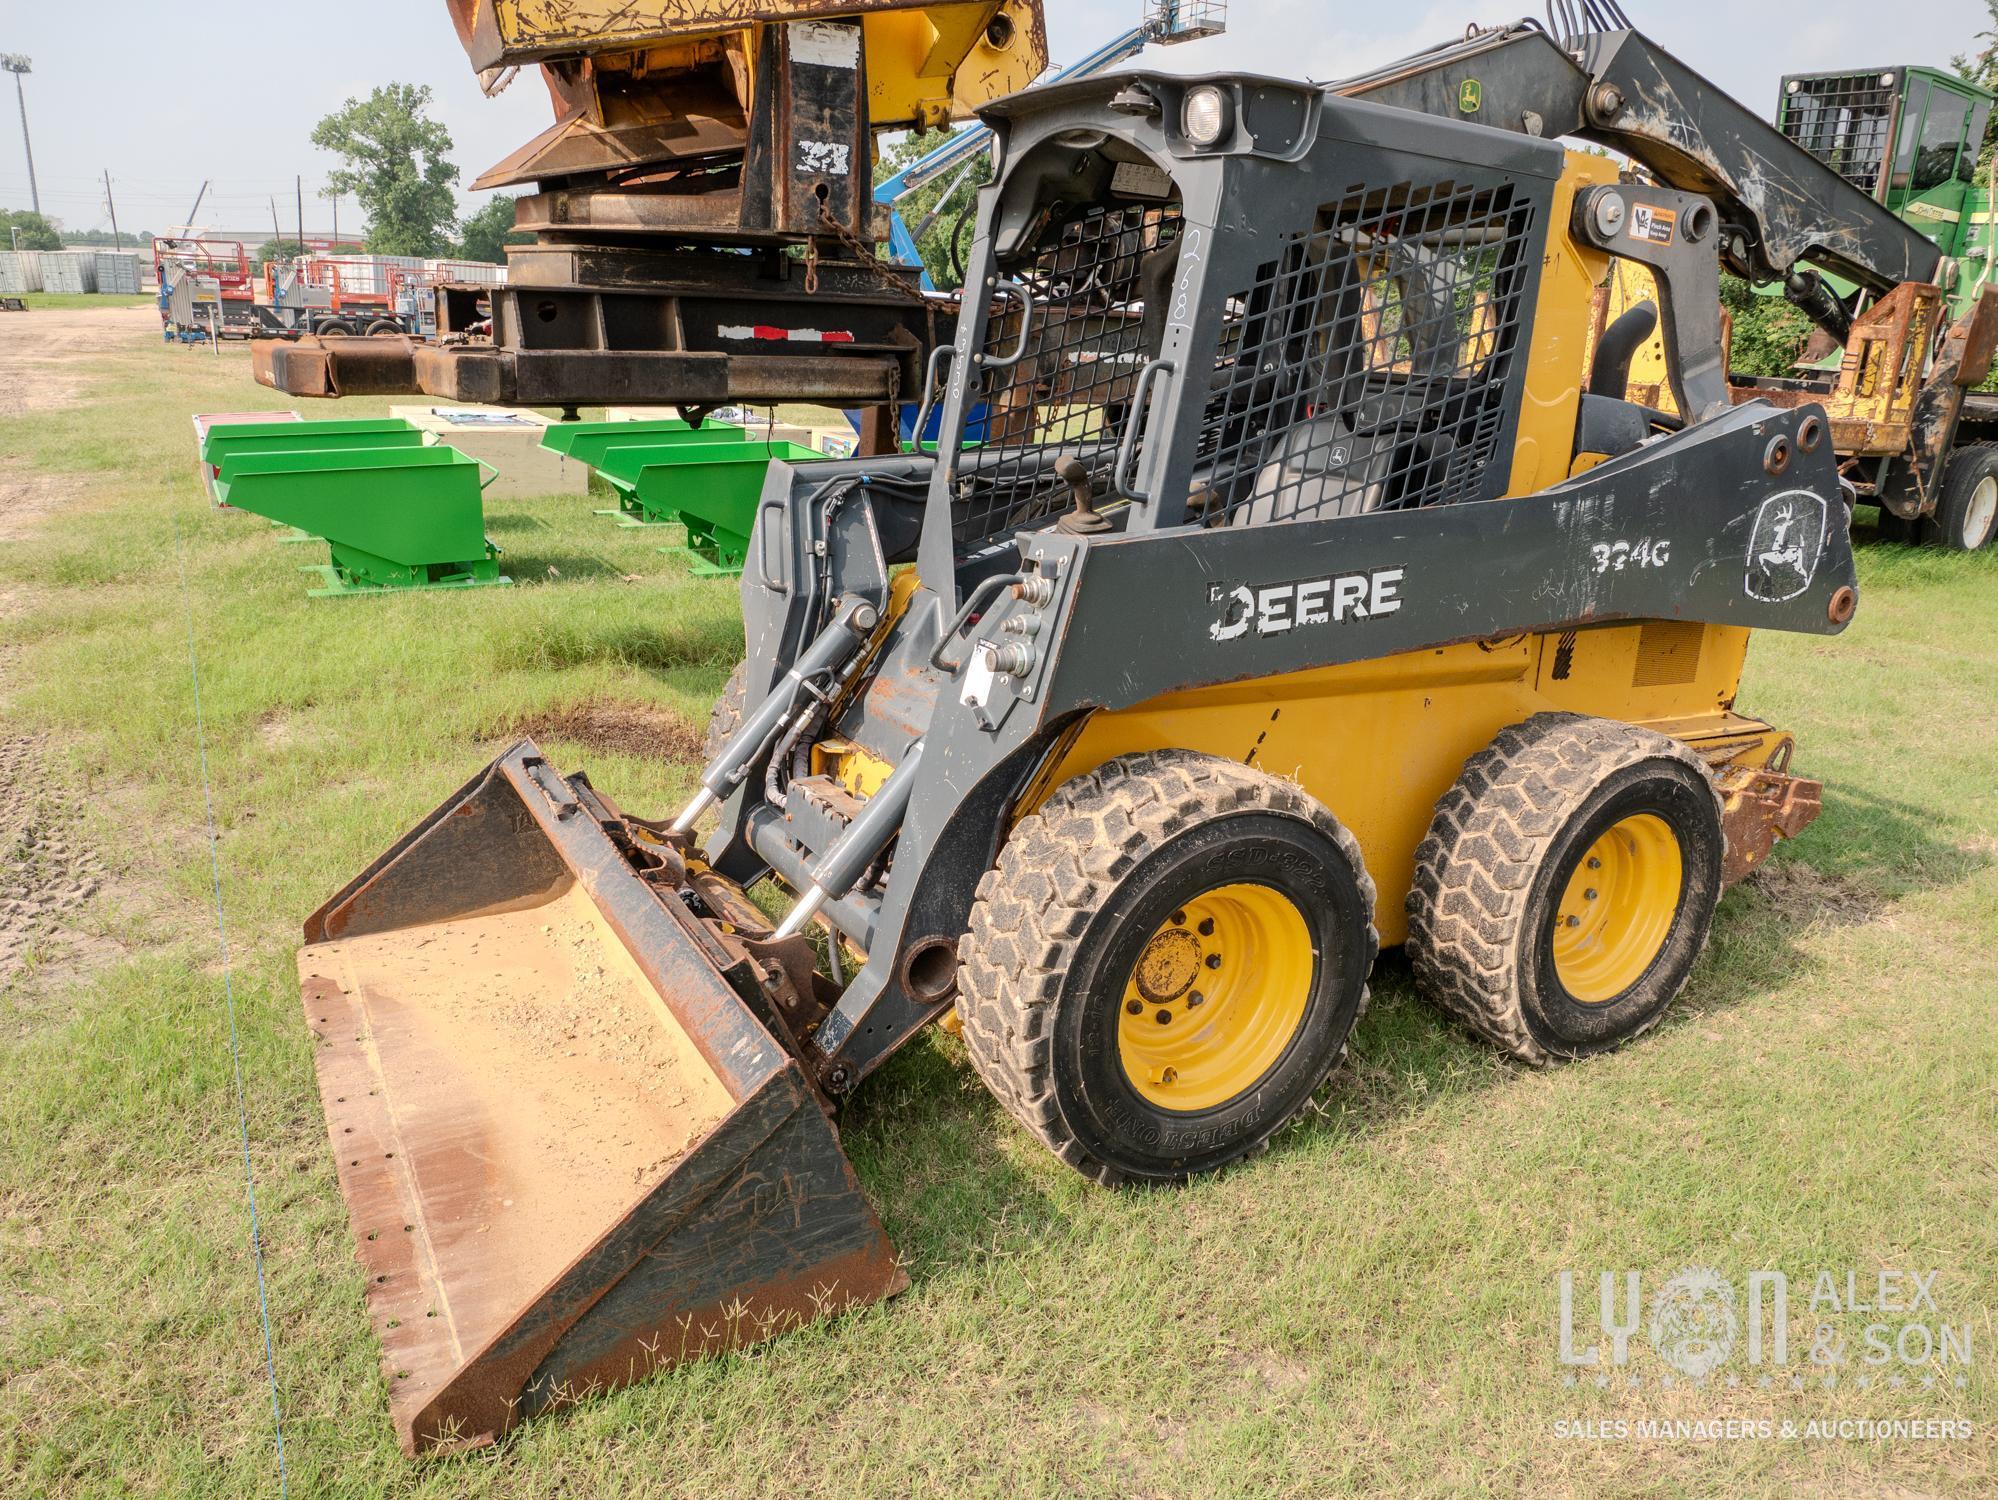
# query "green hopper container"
(712, 491)
(292, 437)
(586, 441)
(394, 518)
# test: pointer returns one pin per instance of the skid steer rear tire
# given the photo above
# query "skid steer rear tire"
(726, 716)
(1139, 893)
(1514, 932)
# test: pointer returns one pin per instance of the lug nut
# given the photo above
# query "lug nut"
(1595, 863)
(1589, 895)
(1179, 919)
(1207, 927)
(1164, 1017)
(1213, 960)
(1196, 998)
(1135, 1007)
(1574, 921)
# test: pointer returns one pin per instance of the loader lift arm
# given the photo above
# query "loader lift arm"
(1779, 206)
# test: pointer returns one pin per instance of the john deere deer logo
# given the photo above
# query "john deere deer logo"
(1783, 551)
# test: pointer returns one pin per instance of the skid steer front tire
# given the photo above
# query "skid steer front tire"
(1165, 964)
(1567, 885)
(726, 716)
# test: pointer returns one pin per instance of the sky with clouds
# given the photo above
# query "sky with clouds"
(165, 95)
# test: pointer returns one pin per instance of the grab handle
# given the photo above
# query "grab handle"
(1017, 291)
(931, 376)
(980, 597)
(763, 575)
(1137, 423)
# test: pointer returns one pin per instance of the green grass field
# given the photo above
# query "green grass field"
(1370, 1306)
(73, 301)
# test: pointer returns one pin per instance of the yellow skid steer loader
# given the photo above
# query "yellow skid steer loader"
(1302, 592)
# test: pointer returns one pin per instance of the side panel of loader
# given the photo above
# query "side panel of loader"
(1403, 726)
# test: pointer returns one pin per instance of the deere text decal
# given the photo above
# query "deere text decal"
(1273, 608)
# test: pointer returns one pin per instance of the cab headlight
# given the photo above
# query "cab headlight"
(1206, 116)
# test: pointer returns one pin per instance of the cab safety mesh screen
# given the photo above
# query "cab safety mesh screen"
(1368, 368)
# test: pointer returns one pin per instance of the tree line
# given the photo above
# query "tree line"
(396, 161)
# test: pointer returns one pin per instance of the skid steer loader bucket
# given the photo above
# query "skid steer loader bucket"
(712, 491)
(393, 518)
(571, 1153)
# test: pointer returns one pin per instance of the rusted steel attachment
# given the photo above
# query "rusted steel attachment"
(1758, 807)
(602, 1158)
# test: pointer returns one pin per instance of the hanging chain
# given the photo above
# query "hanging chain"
(865, 257)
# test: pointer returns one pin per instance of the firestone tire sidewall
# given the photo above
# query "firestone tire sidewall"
(1109, 1118)
(1685, 802)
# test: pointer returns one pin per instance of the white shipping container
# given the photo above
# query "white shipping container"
(118, 272)
(20, 271)
(69, 271)
(362, 275)
(463, 272)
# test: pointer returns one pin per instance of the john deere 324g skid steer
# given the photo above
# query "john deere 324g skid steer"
(1303, 593)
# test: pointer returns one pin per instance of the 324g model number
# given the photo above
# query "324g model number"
(1614, 557)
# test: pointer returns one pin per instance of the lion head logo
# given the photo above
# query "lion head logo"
(1693, 1324)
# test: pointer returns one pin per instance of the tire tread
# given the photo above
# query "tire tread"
(1491, 834)
(1055, 872)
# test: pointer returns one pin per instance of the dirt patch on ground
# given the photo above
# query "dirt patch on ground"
(275, 730)
(643, 729)
(1806, 895)
(27, 499)
(45, 873)
(43, 355)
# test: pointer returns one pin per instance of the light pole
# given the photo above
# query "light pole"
(16, 64)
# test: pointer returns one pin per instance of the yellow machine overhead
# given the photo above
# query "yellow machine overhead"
(636, 83)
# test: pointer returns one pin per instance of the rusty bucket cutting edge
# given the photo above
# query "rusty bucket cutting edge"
(571, 1154)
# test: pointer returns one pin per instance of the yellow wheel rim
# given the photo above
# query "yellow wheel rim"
(1618, 908)
(1215, 997)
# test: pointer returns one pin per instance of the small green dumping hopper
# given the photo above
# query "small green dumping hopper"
(226, 441)
(586, 441)
(394, 518)
(713, 492)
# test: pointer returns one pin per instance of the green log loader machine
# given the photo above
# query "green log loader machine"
(1316, 585)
